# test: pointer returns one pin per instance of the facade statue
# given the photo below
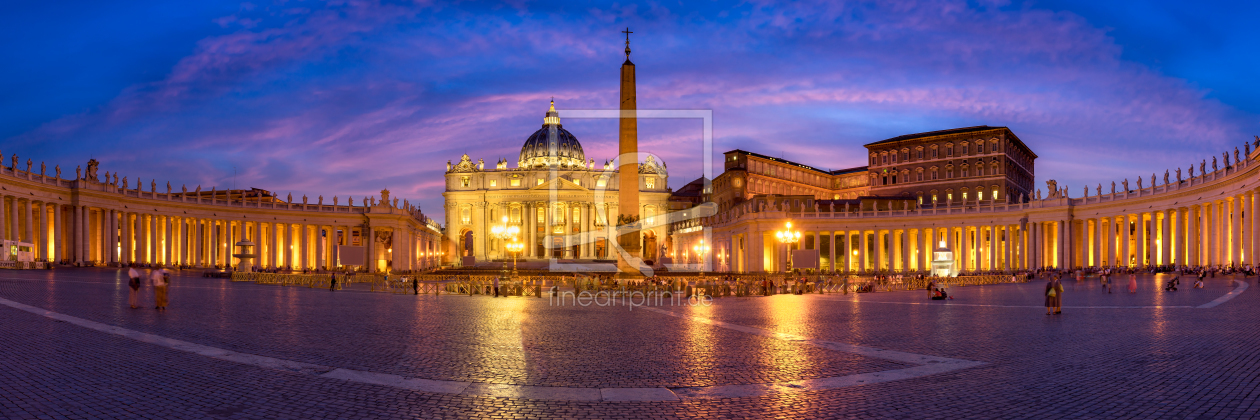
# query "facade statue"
(1225, 157)
(124, 182)
(198, 190)
(78, 172)
(1113, 187)
(106, 177)
(1086, 192)
(42, 168)
(1192, 170)
(28, 164)
(1165, 177)
(1125, 183)
(1236, 155)
(371, 202)
(1203, 167)
(321, 199)
(1099, 190)
(334, 200)
(384, 197)
(290, 199)
(184, 188)
(15, 162)
(395, 202)
(153, 185)
(1214, 169)
(1038, 194)
(115, 179)
(58, 169)
(1052, 188)
(351, 202)
(1178, 175)
(168, 187)
(833, 207)
(1139, 182)
(448, 166)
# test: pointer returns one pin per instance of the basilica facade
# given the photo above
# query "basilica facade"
(557, 198)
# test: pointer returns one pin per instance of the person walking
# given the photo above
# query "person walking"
(332, 285)
(158, 278)
(134, 297)
(1132, 282)
(496, 286)
(415, 285)
(1054, 296)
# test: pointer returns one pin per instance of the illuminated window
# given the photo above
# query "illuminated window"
(601, 182)
(465, 181)
(651, 182)
(540, 181)
(933, 198)
(465, 215)
(995, 194)
(980, 194)
(964, 196)
(515, 182)
(577, 182)
(494, 183)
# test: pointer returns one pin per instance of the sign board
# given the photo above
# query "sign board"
(805, 258)
(350, 255)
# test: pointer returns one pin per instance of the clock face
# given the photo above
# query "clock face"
(738, 182)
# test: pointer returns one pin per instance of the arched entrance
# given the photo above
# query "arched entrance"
(466, 244)
(649, 245)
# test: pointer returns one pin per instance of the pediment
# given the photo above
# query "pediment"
(559, 184)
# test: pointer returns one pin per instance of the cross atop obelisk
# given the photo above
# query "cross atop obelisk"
(627, 32)
(628, 171)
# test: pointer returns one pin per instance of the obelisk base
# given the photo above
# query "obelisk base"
(629, 262)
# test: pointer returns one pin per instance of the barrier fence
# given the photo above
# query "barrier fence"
(540, 286)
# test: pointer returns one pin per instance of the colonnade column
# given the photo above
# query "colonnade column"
(1235, 231)
(14, 227)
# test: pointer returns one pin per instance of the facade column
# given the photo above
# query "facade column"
(304, 247)
(78, 231)
(1235, 232)
(59, 237)
(1253, 230)
(1206, 232)
(862, 258)
(1140, 247)
(905, 250)
(1165, 237)
(1124, 241)
(1195, 243)
(14, 227)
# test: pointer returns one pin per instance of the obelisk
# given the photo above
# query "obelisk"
(628, 172)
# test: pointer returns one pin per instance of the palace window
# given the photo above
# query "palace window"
(515, 182)
(964, 196)
(979, 148)
(993, 147)
(949, 150)
(894, 157)
(964, 171)
(934, 152)
(918, 176)
(601, 182)
(949, 173)
(933, 198)
(995, 192)
(465, 181)
(905, 154)
(949, 196)
(920, 199)
(540, 181)
(577, 218)
(962, 148)
(650, 182)
(933, 174)
(577, 182)
(884, 157)
(918, 153)
(980, 194)
(494, 183)
(542, 216)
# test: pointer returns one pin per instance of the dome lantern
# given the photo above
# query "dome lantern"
(552, 145)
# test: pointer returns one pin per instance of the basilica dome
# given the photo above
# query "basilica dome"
(552, 145)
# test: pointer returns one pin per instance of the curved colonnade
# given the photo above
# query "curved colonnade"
(1201, 221)
(87, 222)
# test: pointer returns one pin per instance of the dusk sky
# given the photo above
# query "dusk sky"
(347, 98)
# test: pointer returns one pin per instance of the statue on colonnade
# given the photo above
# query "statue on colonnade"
(1099, 190)
(42, 168)
(15, 162)
(1178, 175)
(304, 199)
(396, 202)
(1125, 183)
(1165, 177)
(290, 198)
(58, 169)
(1236, 155)
(184, 189)
(1214, 169)
(28, 164)
(321, 199)
(124, 183)
(153, 185)
(1225, 157)
(1203, 167)
(334, 200)
(168, 187)
(91, 169)
(78, 172)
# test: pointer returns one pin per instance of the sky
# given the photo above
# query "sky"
(346, 98)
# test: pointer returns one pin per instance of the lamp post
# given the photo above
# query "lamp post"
(514, 248)
(701, 250)
(503, 232)
(787, 236)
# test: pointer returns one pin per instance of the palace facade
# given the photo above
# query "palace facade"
(558, 199)
(985, 213)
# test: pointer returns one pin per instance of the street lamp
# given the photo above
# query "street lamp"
(701, 250)
(503, 232)
(515, 247)
(787, 236)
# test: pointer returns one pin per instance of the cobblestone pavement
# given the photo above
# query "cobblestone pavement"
(1144, 355)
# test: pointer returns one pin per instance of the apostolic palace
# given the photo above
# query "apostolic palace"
(947, 201)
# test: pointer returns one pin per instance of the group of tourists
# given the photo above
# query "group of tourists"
(1106, 276)
(159, 279)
